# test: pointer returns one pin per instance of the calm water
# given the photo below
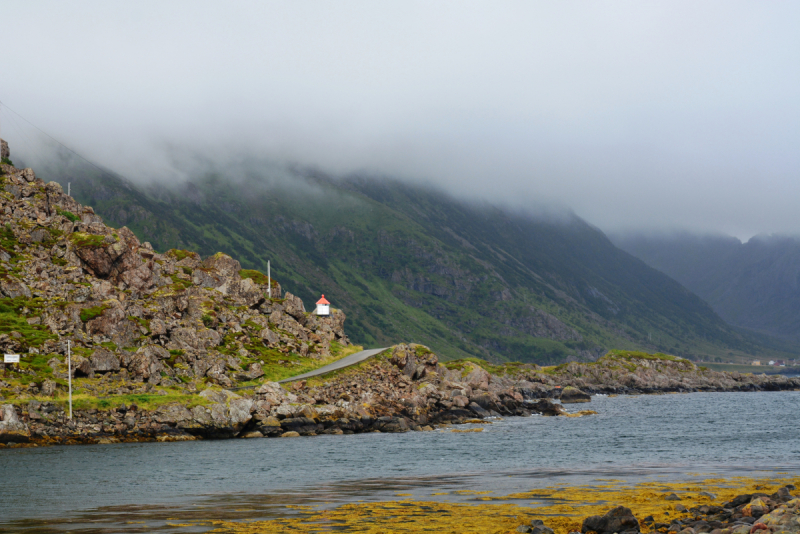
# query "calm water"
(103, 488)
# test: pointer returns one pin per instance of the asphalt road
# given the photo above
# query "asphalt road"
(347, 361)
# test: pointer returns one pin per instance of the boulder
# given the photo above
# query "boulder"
(13, 288)
(104, 361)
(146, 363)
(268, 425)
(571, 395)
(224, 419)
(81, 366)
(302, 425)
(112, 257)
(113, 323)
(189, 338)
(49, 387)
(546, 407)
(617, 520)
(416, 361)
(12, 430)
(478, 377)
(140, 278)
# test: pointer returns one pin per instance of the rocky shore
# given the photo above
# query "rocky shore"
(406, 389)
(749, 513)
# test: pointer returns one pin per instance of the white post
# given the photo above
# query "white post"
(69, 376)
(269, 281)
(69, 189)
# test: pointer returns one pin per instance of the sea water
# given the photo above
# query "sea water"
(104, 488)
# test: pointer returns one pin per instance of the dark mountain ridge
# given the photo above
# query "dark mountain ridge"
(754, 285)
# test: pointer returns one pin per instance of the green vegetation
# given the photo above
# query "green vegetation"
(278, 365)
(179, 254)
(509, 368)
(7, 161)
(87, 314)
(81, 240)
(179, 284)
(629, 355)
(7, 239)
(69, 215)
(256, 276)
(13, 314)
(408, 263)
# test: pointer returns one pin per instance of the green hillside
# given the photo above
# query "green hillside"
(410, 263)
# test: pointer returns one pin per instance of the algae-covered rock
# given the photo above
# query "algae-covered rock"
(571, 395)
(616, 520)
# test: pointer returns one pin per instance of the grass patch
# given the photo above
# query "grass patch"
(293, 364)
(8, 240)
(179, 254)
(511, 368)
(629, 355)
(69, 215)
(179, 284)
(82, 240)
(87, 314)
(145, 401)
(12, 319)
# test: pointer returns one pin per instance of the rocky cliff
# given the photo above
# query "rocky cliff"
(137, 321)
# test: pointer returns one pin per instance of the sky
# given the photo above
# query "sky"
(638, 116)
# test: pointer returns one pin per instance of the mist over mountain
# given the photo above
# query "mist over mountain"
(410, 262)
(755, 284)
(635, 115)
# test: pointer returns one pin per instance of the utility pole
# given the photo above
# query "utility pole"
(269, 281)
(69, 189)
(69, 375)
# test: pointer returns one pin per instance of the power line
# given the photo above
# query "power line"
(3, 104)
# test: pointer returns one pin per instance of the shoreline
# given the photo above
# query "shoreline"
(406, 390)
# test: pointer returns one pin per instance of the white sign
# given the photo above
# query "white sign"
(11, 358)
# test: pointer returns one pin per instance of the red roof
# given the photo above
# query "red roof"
(322, 300)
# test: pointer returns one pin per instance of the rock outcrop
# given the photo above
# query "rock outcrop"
(12, 430)
(167, 319)
(572, 395)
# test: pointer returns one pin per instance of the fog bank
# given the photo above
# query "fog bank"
(643, 116)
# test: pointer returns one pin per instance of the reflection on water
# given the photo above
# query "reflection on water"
(147, 487)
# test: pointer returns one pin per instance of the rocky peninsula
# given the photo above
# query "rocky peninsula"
(176, 347)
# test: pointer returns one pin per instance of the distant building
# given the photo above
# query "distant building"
(772, 362)
(756, 362)
(323, 306)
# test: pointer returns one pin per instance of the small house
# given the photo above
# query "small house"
(323, 306)
(756, 362)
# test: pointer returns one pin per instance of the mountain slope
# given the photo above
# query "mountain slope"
(407, 262)
(754, 285)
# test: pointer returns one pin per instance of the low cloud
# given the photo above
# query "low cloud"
(637, 116)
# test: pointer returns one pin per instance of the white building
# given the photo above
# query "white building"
(323, 306)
